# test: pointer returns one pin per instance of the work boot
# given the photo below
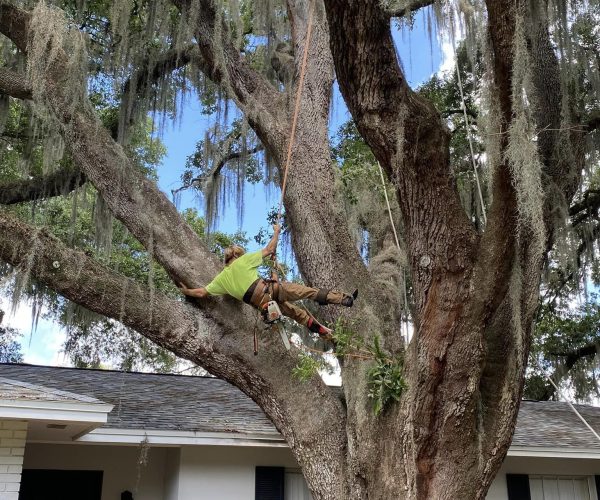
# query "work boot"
(316, 327)
(326, 333)
(348, 300)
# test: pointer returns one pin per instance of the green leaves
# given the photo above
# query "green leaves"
(308, 366)
(385, 380)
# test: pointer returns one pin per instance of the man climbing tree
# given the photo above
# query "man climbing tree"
(240, 280)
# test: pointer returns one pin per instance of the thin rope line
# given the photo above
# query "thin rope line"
(296, 107)
(566, 400)
(469, 136)
(387, 201)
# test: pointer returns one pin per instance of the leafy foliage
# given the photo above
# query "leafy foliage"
(385, 380)
(308, 366)
(566, 344)
(10, 347)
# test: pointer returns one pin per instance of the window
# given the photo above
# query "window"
(277, 483)
(562, 488)
(47, 484)
(295, 486)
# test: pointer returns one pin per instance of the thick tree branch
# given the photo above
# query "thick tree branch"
(14, 84)
(149, 72)
(220, 60)
(407, 7)
(217, 337)
(306, 414)
(589, 204)
(569, 360)
(14, 23)
(57, 183)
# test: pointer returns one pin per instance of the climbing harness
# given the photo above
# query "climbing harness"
(269, 310)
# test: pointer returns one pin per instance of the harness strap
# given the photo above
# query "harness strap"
(256, 292)
(321, 297)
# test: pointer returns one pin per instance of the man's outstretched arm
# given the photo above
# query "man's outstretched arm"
(271, 247)
(199, 293)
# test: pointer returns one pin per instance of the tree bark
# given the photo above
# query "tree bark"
(14, 84)
(57, 183)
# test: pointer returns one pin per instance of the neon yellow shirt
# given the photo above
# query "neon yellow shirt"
(237, 277)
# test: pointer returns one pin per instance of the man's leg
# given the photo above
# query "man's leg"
(303, 317)
(289, 292)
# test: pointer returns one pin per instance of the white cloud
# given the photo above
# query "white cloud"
(42, 346)
(448, 58)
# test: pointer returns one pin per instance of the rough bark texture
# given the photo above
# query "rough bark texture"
(14, 84)
(475, 293)
(47, 186)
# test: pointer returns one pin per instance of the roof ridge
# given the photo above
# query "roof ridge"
(105, 370)
(553, 403)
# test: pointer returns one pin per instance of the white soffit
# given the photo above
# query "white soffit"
(180, 438)
(549, 452)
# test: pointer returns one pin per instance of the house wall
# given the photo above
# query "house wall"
(12, 447)
(545, 466)
(226, 473)
(119, 464)
(172, 465)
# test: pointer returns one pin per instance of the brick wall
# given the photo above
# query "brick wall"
(12, 449)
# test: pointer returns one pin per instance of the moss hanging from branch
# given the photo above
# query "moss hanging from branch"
(522, 151)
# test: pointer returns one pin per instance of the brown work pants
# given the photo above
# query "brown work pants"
(284, 293)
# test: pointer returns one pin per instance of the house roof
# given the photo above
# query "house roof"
(203, 404)
(554, 424)
(19, 390)
(151, 401)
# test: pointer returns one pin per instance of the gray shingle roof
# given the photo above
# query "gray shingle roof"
(19, 390)
(553, 424)
(185, 403)
(154, 402)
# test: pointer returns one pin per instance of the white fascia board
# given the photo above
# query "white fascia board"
(181, 438)
(548, 452)
(62, 411)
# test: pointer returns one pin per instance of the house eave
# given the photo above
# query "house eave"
(106, 435)
(54, 411)
(554, 452)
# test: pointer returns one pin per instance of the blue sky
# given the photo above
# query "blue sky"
(420, 59)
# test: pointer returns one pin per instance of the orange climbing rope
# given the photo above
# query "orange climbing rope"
(292, 137)
(296, 107)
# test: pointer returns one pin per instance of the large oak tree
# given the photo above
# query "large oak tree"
(474, 289)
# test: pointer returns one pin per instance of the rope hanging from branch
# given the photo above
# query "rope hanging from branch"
(288, 159)
(469, 135)
(405, 319)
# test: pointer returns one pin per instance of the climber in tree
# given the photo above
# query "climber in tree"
(240, 280)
